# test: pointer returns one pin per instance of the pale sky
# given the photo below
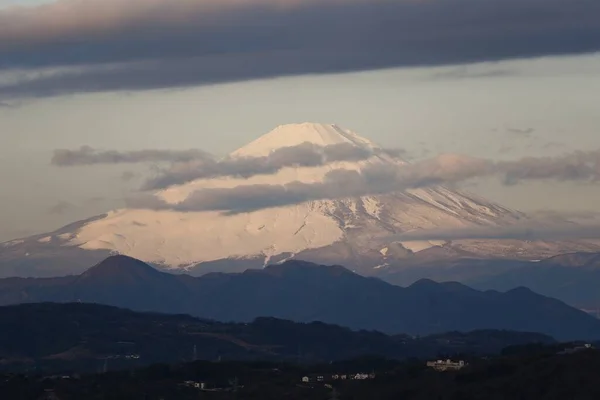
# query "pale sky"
(498, 110)
(8, 3)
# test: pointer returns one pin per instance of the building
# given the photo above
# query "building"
(576, 349)
(446, 365)
(315, 378)
(197, 385)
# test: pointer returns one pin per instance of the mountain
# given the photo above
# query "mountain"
(576, 286)
(80, 336)
(306, 292)
(358, 232)
(573, 278)
(118, 280)
(581, 259)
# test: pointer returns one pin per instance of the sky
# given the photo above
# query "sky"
(8, 3)
(501, 87)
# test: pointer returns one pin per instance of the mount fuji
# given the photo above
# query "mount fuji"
(357, 232)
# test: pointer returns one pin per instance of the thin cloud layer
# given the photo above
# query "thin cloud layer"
(533, 229)
(86, 155)
(577, 166)
(303, 155)
(339, 183)
(61, 208)
(539, 225)
(190, 165)
(110, 45)
(382, 179)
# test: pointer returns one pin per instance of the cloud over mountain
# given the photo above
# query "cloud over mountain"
(376, 179)
(86, 155)
(531, 229)
(576, 166)
(105, 45)
(190, 165)
(61, 207)
(303, 155)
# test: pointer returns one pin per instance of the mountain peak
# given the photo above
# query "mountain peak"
(296, 134)
(292, 266)
(119, 268)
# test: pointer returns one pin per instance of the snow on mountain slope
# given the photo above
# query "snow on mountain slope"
(295, 134)
(348, 231)
(182, 239)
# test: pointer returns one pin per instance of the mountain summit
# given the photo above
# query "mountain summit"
(119, 269)
(353, 231)
(296, 134)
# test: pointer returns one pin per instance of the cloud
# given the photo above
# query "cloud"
(61, 208)
(338, 183)
(384, 178)
(246, 198)
(555, 145)
(578, 166)
(302, 155)
(8, 104)
(96, 200)
(71, 46)
(86, 155)
(128, 176)
(526, 132)
(571, 215)
(505, 149)
(538, 225)
(464, 72)
(529, 230)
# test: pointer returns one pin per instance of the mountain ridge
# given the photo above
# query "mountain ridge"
(572, 278)
(116, 265)
(88, 334)
(304, 292)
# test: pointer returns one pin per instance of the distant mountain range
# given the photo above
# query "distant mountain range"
(573, 278)
(306, 292)
(88, 337)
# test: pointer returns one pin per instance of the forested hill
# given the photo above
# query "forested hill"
(83, 336)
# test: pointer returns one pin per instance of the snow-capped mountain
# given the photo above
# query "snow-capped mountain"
(356, 232)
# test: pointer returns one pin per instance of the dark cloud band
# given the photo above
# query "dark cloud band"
(163, 44)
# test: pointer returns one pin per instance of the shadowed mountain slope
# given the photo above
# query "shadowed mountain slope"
(80, 336)
(306, 292)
